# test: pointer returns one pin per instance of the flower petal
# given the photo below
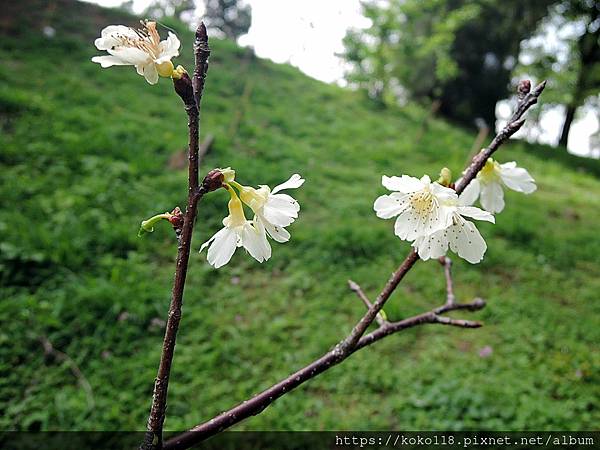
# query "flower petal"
(443, 193)
(471, 193)
(492, 197)
(280, 209)
(404, 184)
(222, 248)
(131, 55)
(517, 178)
(295, 181)
(255, 241)
(388, 206)
(168, 49)
(277, 233)
(475, 213)
(111, 36)
(432, 246)
(465, 240)
(150, 73)
(109, 60)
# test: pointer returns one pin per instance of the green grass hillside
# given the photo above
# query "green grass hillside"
(87, 153)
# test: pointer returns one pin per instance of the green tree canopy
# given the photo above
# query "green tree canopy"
(461, 52)
(566, 52)
(231, 17)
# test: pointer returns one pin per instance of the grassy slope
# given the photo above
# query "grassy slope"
(84, 158)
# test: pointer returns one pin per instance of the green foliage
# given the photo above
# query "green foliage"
(460, 52)
(180, 9)
(230, 17)
(85, 156)
(570, 60)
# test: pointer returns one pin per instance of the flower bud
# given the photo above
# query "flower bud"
(213, 180)
(523, 88)
(178, 72)
(183, 86)
(176, 218)
(147, 226)
(445, 177)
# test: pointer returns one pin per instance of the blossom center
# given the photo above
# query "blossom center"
(489, 172)
(422, 202)
(254, 198)
(147, 39)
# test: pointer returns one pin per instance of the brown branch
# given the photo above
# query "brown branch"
(355, 339)
(354, 287)
(201, 54)
(190, 92)
(513, 125)
(434, 316)
(258, 403)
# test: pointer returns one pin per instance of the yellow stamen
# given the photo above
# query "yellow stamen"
(488, 172)
(422, 202)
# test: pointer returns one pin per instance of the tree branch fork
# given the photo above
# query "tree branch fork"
(190, 90)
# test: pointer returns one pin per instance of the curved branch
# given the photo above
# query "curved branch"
(257, 404)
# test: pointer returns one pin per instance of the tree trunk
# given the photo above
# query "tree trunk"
(589, 54)
(564, 135)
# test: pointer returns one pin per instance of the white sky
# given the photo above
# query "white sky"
(308, 34)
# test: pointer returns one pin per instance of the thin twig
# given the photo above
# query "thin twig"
(258, 403)
(191, 94)
(354, 287)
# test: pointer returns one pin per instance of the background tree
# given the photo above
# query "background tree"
(231, 17)
(457, 51)
(566, 50)
(181, 9)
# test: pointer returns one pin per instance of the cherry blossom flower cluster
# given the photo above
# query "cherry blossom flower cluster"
(434, 218)
(273, 211)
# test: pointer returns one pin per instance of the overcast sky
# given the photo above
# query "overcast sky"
(308, 34)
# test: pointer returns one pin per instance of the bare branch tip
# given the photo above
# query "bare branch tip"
(353, 285)
(201, 32)
(540, 87)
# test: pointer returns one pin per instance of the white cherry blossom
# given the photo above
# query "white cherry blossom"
(422, 207)
(490, 181)
(140, 48)
(237, 232)
(462, 236)
(274, 211)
